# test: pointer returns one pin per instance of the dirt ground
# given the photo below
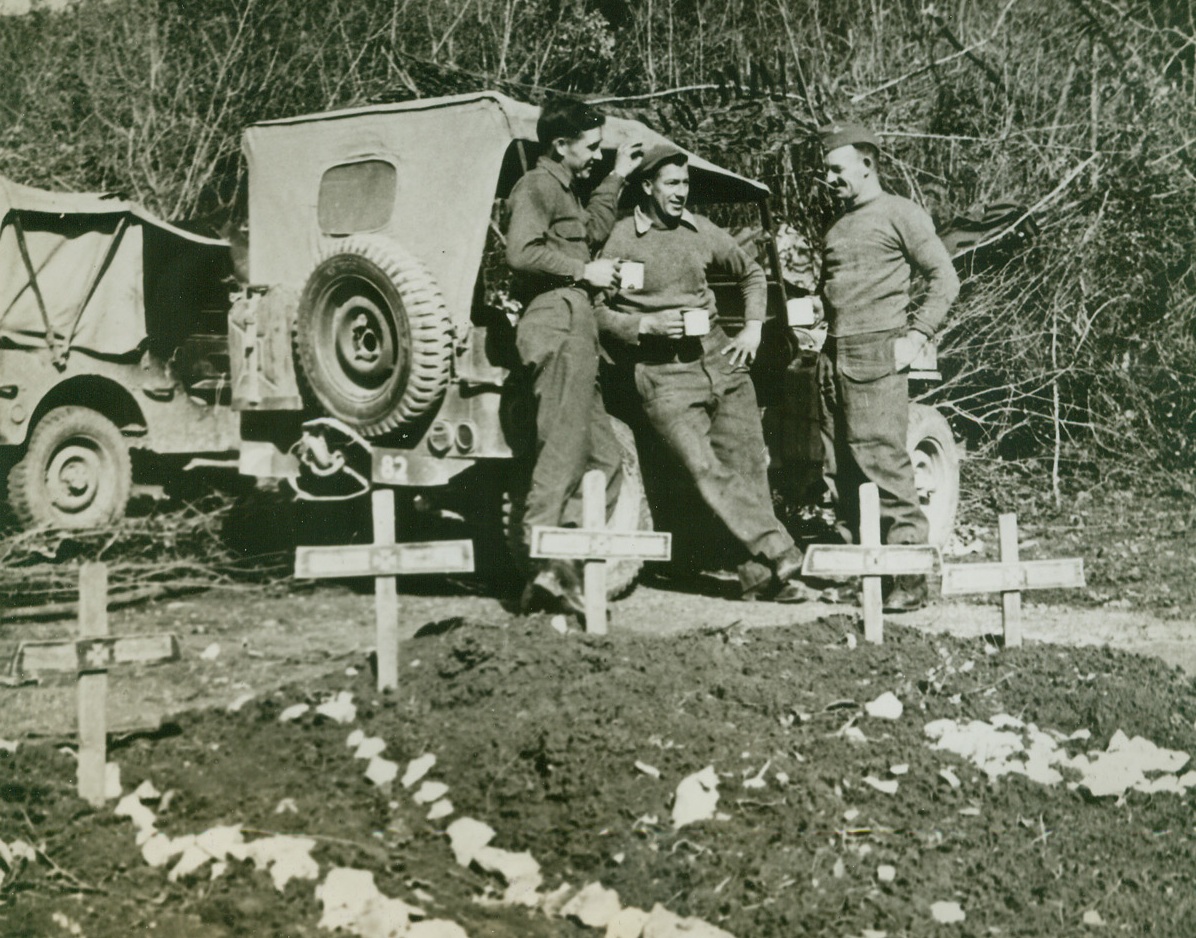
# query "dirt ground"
(572, 748)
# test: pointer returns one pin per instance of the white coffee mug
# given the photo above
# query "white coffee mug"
(696, 321)
(800, 311)
(631, 275)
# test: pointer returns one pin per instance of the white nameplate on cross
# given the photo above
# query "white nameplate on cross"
(410, 559)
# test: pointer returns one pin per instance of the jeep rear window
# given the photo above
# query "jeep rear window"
(356, 197)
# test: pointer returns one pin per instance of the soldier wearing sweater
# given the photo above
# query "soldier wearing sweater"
(874, 248)
(696, 390)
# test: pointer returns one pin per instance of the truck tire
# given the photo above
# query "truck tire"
(936, 470)
(372, 338)
(75, 473)
(631, 514)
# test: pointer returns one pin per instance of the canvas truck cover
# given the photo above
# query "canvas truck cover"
(437, 163)
(76, 270)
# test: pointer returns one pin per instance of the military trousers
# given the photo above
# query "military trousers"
(705, 410)
(864, 422)
(557, 340)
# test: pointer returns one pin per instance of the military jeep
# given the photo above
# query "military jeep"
(371, 345)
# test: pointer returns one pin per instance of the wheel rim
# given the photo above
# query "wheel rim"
(362, 333)
(75, 476)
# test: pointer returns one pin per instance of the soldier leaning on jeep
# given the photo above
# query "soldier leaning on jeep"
(550, 241)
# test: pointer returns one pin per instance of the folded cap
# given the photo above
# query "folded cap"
(833, 136)
(657, 155)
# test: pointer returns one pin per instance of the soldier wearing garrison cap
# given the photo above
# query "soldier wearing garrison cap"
(876, 246)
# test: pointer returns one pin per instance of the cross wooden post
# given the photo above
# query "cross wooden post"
(93, 685)
(89, 658)
(595, 544)
(870, 561)
(1010, 577)
(384, 560)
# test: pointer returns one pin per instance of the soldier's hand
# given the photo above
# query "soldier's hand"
(601, 273)
(907, 348)
(628, 157)
(742, 348)
(670, 323)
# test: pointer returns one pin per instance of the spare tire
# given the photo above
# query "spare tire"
(373, 339)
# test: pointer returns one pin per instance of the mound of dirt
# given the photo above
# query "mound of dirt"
(832, 818)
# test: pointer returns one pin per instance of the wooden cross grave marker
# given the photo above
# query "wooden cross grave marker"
(595, 544)
(90, 657)
(1010, 577)
(384, 560)
(870, 561)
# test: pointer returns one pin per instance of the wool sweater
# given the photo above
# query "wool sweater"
(676, 262)
(872, 250)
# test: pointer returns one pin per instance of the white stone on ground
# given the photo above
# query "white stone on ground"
(339, 708)
(381, 771)
(888, 786)
(1093, 917)
(648, 769)
(467, 836)
(886, 873)
(594, 906)
(947, 913)
(429, 792)
(417, 768)
(696, 798)
(353, 903)
(286, 857)
(519, 871)
(211, 653)
(130, 806)
(885, 707)
(441, 809)
(369, 746)
(293, 712)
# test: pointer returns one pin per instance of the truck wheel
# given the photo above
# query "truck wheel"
(631, 514)
(373, 338)
(936, 469)
(75, 473)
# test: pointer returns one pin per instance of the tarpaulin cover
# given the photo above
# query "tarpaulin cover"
(88, 254)
(448, 155)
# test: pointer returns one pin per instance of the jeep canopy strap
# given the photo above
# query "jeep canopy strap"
(52, 338)
(121, 226)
